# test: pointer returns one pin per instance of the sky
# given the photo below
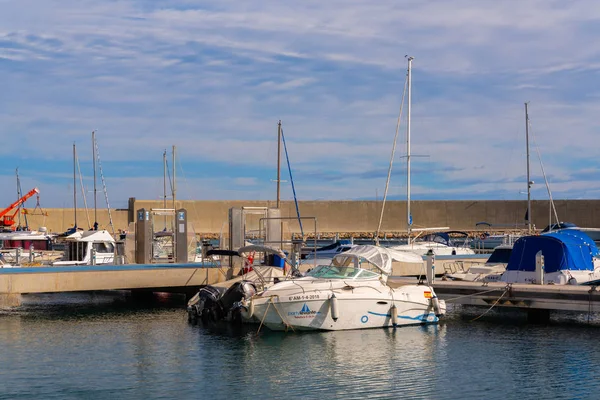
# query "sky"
(214, 78)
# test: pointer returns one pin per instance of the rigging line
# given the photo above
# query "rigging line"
(110, 221)
(537, 149)
(87, 214)
(387, 183)
(292, 181)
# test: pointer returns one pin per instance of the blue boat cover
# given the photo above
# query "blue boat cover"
(567, 249)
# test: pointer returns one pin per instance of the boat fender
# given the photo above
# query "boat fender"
(394, 315)
(333, 304)
(436, 305)
(250, 308)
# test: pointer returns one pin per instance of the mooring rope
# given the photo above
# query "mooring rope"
(493, 305)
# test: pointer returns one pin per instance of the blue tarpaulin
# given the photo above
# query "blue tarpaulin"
(567, 249)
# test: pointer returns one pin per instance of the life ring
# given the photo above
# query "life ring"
(482, 236)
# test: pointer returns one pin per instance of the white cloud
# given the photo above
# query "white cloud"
(213, 79)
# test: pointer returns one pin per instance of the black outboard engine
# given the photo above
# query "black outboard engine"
(207, 306)
(230, 301)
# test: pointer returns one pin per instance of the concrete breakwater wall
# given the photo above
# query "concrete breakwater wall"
(210, 217)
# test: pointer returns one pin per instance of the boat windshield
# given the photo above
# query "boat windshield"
(345, 268)
(500, 256)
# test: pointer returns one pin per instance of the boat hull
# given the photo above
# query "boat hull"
(359, 308)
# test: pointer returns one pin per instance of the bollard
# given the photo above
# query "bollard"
(430, 270)
(539, 268)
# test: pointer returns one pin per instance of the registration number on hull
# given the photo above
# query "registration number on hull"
(305, 297)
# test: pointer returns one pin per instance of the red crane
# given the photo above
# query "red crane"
(8, 220)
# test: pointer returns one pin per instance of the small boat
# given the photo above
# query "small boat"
(491, 271)
(569, 257)
(350, 293)
(88, 248)
(17, 247)
(329, 251)
(440, 243)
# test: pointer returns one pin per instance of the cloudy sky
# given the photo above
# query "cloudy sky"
(213, 79)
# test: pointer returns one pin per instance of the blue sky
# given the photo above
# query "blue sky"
(213, 78)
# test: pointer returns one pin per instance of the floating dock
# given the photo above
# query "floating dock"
(538, 300)
(174, 278)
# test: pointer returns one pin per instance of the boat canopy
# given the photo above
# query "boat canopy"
(562, 250)
(91, 236)
(380, 257)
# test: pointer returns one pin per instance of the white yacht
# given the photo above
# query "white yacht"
(350, 293)
(88, 248)
(440, 243)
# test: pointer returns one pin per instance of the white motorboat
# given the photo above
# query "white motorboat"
(329, 251)
(17, 247)
(491, 271)
(350, 293)
(439, 243)
(88, 248)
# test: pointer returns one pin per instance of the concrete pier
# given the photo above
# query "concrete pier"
(175, 278)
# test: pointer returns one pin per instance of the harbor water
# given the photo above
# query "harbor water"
(95, 347)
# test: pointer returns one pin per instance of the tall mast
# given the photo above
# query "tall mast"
(528, 177)
(95, 191)
(18, 195)
(409, 103)
(278, 162)
(165, 184)
(75, 187)
(174, 191)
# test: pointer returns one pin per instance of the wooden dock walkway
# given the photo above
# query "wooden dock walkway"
(515, 295)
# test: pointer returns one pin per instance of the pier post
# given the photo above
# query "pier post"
(8, 300)
(539, 268)
(430, 270)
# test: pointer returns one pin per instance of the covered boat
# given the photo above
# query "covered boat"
(350, 293)
(570, 256)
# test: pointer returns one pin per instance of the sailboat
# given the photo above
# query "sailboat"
(440, 244)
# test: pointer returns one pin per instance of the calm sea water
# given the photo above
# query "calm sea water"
(91, 348)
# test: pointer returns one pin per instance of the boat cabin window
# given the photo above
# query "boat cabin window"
(500, 256)
(104, 247)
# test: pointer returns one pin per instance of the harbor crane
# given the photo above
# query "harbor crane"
(7, 220)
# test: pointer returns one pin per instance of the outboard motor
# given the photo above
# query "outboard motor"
(231, 299)
(205, 305)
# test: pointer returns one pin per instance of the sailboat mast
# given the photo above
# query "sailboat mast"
(165, 184)
(278, 162)
(74, 187)
(174, 191)
(95, 191)
(528, 176)
(409, 103)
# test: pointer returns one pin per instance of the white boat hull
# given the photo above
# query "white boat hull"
(359, 308)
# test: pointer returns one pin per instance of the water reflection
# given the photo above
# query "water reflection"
(120, 351)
